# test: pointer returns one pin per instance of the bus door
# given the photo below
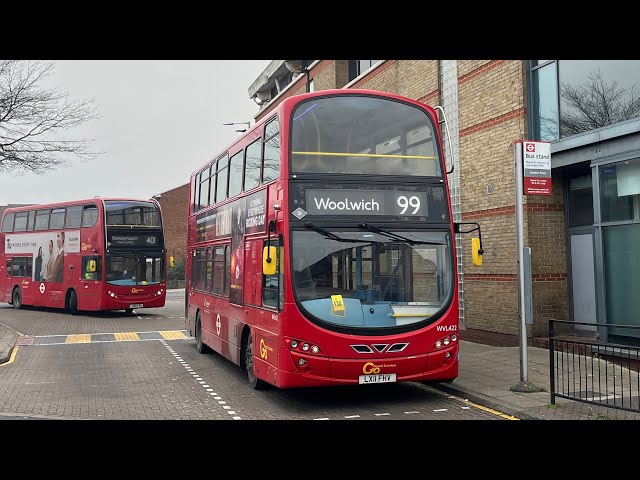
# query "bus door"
(90, 277)
(5, 280)
(263, 290)
(209, 312)
(252, 275)
(19, 271)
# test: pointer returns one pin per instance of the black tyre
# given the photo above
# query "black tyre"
(200, 346)
(73, 302)
(254, 381)
(17, 298)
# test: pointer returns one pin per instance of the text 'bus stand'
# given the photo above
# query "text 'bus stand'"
(536, 181)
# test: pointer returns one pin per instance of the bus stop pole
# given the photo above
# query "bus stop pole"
(523, 385)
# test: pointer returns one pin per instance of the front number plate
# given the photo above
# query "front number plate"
(379, 378)
(136, 305)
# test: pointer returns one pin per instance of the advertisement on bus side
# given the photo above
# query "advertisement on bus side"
(47, 250)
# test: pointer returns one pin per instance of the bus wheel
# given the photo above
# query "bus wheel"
(254, 381)
(73, 302)
(200, 346)
(17, 298)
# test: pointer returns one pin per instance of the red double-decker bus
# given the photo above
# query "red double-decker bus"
(94, 254)
(321, 245)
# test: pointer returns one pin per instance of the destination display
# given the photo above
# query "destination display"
(405, 203)
(117, 239)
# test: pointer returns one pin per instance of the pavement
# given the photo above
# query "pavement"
(487, 374)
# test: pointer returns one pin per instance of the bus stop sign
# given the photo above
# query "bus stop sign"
(537, 168)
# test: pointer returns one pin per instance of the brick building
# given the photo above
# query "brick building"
(175, 205)
(582, 237)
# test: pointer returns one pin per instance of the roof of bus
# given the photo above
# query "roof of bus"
(72, 202)
(286, 103)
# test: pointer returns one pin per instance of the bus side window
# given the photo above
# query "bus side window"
(91, 268)
(271, 283)
(17, 268)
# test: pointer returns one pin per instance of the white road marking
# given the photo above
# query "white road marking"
(381, 414)
(440, 410)
(202, 382)
(411, 413)
(352, 416)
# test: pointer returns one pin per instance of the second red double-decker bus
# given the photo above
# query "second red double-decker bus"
(93, 254)
(321, 245)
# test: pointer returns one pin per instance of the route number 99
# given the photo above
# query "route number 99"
(411, 202)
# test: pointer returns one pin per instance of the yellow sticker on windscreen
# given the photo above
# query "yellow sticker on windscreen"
(337, 305)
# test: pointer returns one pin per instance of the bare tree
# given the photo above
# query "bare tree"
(33, 119)
(596, 103)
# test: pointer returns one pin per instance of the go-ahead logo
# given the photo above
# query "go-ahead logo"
(370, 367)
(136, 290)
(264, 349)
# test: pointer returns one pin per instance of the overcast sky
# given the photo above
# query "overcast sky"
(159, 121)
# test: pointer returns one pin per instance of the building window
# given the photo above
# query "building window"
(580, 199)
(620, 207)
(620, 191)
(358, 67)
(575, 96)
(545, 109)
(284, 80)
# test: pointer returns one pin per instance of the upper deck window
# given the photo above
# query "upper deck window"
(143, 214)
(363, 135)
(7, 222)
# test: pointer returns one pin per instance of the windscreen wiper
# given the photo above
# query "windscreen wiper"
(328, 234)
(395, 236)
